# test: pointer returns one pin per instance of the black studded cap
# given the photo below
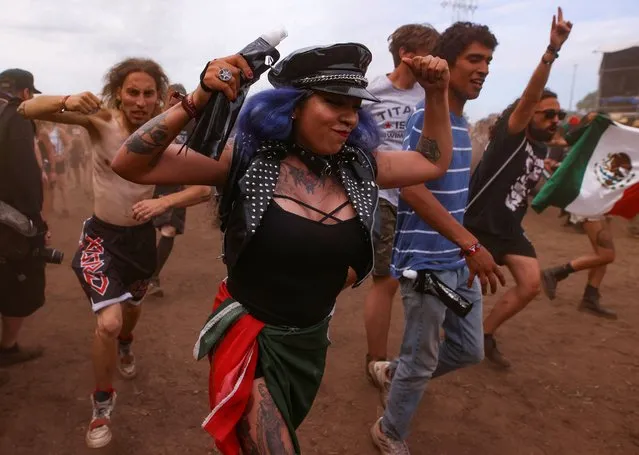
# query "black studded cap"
(339, 68)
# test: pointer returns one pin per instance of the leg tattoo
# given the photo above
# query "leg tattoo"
(270, 427)
(247, 444)
(271, 434)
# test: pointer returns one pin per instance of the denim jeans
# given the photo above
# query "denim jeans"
(423, 355)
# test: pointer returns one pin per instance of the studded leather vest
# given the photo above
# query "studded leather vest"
(250, 188)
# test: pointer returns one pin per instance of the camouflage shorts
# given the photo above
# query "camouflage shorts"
(383, 235)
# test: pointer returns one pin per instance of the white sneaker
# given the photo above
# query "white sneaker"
(379, 373)
(126, 367)
(99, 432)
(386, 444)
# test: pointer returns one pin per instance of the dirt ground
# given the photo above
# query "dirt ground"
(574, 387)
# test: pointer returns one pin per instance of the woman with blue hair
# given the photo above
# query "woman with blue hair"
(299, 191)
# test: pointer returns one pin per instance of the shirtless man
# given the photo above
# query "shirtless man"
(117, 256)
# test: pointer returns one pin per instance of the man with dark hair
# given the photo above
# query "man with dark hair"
(117, 254)
(430, 242)
(509, 169)
(22, 279)
(398, 93)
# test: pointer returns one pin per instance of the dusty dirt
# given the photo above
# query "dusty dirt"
(574, 387)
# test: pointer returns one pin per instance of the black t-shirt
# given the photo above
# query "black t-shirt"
(502, 206)
(20, 174)
(557, 153)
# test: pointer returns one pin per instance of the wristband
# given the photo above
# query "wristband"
(553, 51)
(547, 62)
(189, 106)
(471, 250)
(64, 103)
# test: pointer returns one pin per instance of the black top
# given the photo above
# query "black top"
(250, 188)
(20, 174)
(501, 207)
(292, 271)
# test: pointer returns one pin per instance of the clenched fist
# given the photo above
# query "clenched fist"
(85, 103)
(221, 75)
(432, 73)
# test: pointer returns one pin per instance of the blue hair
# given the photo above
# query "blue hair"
(267, 116)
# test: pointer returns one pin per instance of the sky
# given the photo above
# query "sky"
(70, 44)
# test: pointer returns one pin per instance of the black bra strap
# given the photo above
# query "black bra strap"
(330, 215)
(333, 212)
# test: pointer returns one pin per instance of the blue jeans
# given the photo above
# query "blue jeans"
(423, 356)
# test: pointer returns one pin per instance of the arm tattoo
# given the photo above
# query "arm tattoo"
(428, 148)
(151, 137)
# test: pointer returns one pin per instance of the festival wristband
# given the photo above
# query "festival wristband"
(554, 53)
(551, 50)
(189, 106)
(471, 250)
(64, 103)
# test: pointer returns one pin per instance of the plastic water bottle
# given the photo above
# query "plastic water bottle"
(218, 118)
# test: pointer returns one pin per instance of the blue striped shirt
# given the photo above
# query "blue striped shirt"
(417, 246)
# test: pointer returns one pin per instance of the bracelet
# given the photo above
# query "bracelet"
(553, 51)
(547, 62)
(64, 103)
(189, 106)
(471, 250)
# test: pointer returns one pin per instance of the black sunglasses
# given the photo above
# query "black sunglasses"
(550, 114)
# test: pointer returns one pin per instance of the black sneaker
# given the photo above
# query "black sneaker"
(492, 353)
(17, 354)
(591, 304)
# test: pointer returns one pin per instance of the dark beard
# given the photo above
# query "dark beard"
(540, 135)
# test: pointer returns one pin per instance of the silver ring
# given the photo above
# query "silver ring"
(224, 74)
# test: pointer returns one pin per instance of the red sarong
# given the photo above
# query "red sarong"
(231, 378)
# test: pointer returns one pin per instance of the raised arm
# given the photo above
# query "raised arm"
(525, 109)
(434, 149)
(71, 110)
(148, 157)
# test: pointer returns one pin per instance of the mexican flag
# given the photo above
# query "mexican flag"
(599, 176)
